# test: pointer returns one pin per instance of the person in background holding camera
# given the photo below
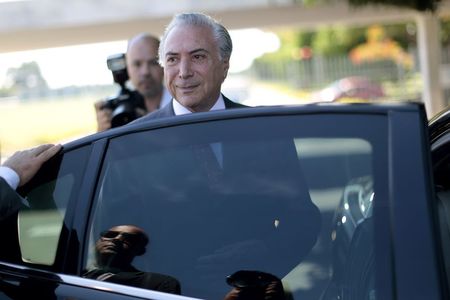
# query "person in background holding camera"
(146, 76)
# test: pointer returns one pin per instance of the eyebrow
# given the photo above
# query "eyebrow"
(190, 52)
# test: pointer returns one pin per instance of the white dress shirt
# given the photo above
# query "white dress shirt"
(181, 110)
(10, 176)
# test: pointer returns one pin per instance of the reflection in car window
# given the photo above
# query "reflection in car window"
(262, 210)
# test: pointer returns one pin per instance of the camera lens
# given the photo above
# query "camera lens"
(250, 279)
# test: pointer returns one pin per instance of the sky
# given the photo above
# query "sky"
(86, 64)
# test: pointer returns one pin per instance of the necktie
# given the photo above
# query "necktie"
(208, 163)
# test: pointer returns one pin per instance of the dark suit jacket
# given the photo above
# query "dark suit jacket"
(134, 277)
(167, 111)
(279, 173)
(10, 201)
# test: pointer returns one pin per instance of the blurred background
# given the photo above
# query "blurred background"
(53, 56)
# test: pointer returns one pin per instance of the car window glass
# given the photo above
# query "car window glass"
(278, 205)
(40, 224)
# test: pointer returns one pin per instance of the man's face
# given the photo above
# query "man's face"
(145, 73)
(193, 70)
(119, 243)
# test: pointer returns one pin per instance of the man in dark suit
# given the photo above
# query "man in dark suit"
(18, 170)
(195, 53)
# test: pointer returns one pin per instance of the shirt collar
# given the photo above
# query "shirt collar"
(181, 110)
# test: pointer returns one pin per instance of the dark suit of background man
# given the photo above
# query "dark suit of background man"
(18, 170)
(195, 53)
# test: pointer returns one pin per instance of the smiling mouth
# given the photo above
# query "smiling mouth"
(187, 87)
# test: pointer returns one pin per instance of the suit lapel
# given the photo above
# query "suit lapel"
(167, 111)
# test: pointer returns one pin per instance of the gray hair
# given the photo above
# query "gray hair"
(220, 33)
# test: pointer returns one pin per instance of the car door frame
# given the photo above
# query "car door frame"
(63, 286)
(403, 284)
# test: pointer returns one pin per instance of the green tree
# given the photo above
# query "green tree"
(445, 31)
(27, 79)
(337, 40)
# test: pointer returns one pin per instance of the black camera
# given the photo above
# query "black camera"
(251, 279)
(124, 104)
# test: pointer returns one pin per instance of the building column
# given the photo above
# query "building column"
(429, 45)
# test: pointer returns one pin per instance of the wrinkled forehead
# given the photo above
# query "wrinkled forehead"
(188, 38)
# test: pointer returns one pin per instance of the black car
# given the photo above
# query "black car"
(240, 204)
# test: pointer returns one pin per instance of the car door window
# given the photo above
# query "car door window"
(40, 224)
(285, 204)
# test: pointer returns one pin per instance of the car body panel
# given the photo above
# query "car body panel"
(27, 282)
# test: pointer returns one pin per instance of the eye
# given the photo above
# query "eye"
(199, 56)
(171, 60)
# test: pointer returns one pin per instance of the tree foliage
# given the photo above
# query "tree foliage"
(26, 79)
(334, 41)
(420, 5)
(331, 41)
(378, 47)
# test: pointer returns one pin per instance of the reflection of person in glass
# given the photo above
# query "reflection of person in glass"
(115, 251)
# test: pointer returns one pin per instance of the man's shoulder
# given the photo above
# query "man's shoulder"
(231, 104)
(166, 111)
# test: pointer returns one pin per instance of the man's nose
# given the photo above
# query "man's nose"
(144, 69)
(185, 70)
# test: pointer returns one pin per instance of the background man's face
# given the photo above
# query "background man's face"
(193, 70)
(145, 73)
